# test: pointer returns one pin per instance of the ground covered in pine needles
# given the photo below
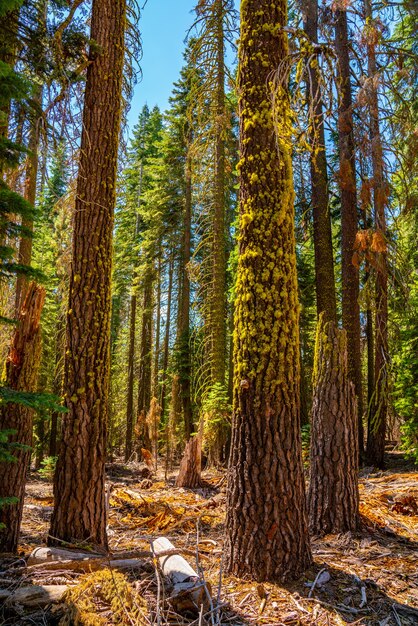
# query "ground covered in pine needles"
(370, 578)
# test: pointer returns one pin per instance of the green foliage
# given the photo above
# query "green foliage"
(216, 411)
(47, 468)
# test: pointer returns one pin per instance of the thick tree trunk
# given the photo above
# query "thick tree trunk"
(79, 486)
(378, 409)
(266, 521)
(349, 220)
(22, 368)
(191, 464)
(333, 489)
(324, 257)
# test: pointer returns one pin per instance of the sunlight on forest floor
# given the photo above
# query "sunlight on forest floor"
(370, 578)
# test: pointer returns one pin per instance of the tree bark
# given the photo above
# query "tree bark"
(79, 485)
(333, 497)
(31, 175)
(145, 362)
(190, 467)
(349, 219)
(217, 315)
(167, 336)
(379, 405)
(324, 258)
(22, 368)
(266, 522)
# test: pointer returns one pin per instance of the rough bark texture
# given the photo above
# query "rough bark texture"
(22, 368)
(379, 405)
(324, 258)
(145, 362)
(190, 467)
(79, 489)
(349, 220)
(333, 489)
(266, 521)
(167, 336)
(218, 288)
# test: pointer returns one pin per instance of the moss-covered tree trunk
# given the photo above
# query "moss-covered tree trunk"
(217, 315)
(266, 521)
(379, 404)
(349, 219)
(324, 258)
(79, 485)
(333, 488)
(22, 368)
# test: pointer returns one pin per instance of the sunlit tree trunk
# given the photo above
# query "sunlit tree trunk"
(266, 523)
(79, 486)
(349, 220)
(378, 408)
(22, 368)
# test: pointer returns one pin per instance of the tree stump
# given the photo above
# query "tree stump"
(191, 464)
(333, 497)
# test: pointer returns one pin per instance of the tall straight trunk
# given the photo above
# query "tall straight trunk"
(324, 258)
(22, 368)
(184, 308)
(167, 337)
(156, 364)
(218, 288)
(79, 486)
(370, 356)
(378, 411)
(145, 362)
(266, 522)
(333, 496)
(31, 175)
(349, 219)
(131, 377)
(130, 411)
(8, 53)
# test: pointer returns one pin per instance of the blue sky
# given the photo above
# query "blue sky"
(163, 27)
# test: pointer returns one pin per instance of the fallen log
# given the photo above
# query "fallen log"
(34, 596)
(42, 555)
(190, 591)
(87, 565)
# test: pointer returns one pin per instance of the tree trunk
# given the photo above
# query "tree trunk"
(22, 368)
(266, 521)
(333, 489)
(167, 336)
(145, 363)
(218, 287)
(349, 221)
(79, 485)
(189, 475)
(25, 247)
(378, 409)
(324, 257)
(184, 309)
(156, 365)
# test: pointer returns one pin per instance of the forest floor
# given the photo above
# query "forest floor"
(369, 578)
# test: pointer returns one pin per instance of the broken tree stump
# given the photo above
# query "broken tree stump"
(189, 475)
(190, 591)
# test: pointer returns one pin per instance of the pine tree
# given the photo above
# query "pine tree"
(79, 511)
(266, 512)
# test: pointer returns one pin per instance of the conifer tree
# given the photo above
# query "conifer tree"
(266, 521)
(79, 510)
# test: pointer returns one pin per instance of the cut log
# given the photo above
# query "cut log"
(189, 475)
(35, 596)
(43, 555)
(190, 591)
(88, 565)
